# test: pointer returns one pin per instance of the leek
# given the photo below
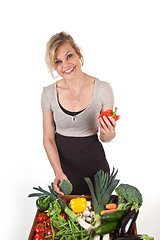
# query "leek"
(101, 192)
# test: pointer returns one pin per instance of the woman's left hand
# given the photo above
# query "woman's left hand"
(107, 128)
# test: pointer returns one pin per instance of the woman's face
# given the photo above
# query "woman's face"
(67, 61)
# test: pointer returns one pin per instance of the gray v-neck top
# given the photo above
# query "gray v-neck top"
(86, 122)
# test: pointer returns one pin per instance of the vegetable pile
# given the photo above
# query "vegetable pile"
(107, 215)
(67, 223)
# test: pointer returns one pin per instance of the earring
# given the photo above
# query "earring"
(52, 73)
(81, 61)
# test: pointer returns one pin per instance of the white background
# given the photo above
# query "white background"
(120, 41)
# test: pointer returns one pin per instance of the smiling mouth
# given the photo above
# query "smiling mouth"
(68, 71)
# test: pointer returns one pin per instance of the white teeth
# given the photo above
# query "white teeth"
(69, 70)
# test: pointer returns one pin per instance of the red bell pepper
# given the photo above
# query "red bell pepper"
(109, 113)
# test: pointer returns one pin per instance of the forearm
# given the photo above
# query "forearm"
(53, 156)
(107, 137)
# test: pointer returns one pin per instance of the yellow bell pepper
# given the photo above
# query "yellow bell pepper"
(78, 205)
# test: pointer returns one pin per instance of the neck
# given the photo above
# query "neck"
(76, 90)
(76, 82)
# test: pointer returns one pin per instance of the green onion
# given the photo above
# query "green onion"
(101, 192)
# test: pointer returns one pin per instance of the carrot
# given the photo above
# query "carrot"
(111, 206)
(108, 210)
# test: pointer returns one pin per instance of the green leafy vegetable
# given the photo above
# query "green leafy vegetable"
(54, 213)
(54, 208)
(128, 197)
(65, 187)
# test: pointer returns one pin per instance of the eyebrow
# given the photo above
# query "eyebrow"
(68, 52)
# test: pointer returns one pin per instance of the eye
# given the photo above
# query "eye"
(58, 61)
(69, 55)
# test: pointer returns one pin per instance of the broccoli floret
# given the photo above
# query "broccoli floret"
(65, 187)
(128, 197)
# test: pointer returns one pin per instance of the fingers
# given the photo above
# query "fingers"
(56, 182)
(103, 126)
(112, 121)
(56, 188)
(107, 124)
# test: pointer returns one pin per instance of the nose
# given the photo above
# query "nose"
(65, 65)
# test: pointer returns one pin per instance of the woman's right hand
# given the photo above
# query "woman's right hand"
(57, 180)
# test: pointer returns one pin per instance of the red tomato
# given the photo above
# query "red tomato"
(48, 223)
(40, 228)
(39, 237)
(64, 200)
(64, 215)
(55, 230)
(42, 217)
(48, 232)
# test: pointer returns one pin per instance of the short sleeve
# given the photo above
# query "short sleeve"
(45, 102)
(107, 95)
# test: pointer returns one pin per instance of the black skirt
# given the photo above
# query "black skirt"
(81, 157)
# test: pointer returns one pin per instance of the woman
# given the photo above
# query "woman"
(71, 107)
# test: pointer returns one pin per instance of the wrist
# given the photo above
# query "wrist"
(58, 173)
(107, 137)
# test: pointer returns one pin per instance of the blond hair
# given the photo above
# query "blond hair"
(52, 45)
